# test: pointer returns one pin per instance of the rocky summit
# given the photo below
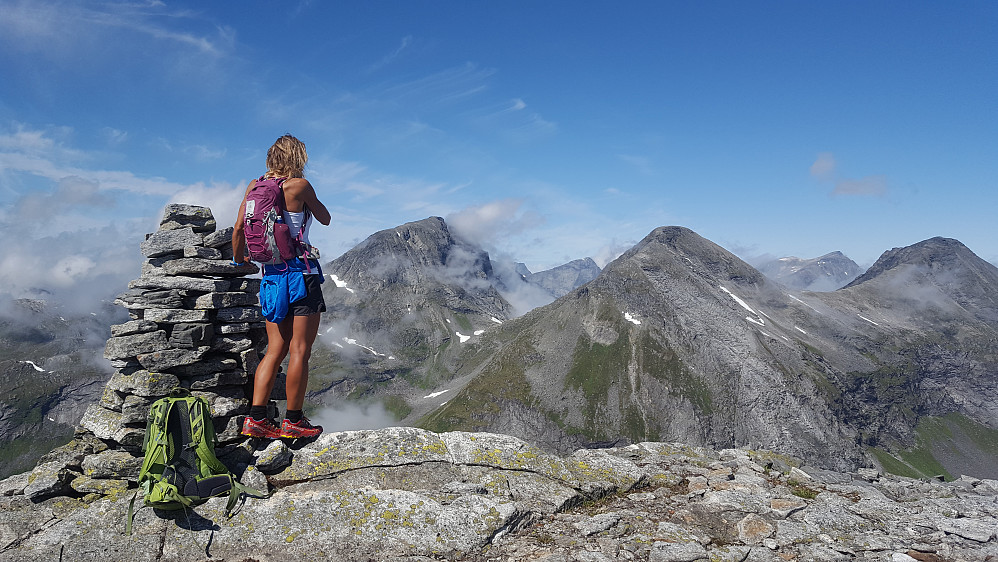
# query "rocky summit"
(409, 494)
(195, 322)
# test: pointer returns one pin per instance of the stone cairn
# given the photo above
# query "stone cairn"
(194, 323)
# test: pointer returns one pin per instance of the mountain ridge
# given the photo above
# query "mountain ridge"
(664, 322)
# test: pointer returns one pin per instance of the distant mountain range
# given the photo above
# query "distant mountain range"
(829, 272)
(675, 340)
(680, 340)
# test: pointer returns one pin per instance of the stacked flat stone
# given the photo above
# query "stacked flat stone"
(194, 323)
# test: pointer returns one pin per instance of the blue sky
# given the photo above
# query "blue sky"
(545, 131)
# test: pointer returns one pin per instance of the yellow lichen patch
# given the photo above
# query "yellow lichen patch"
(493, 457)
(497, 484)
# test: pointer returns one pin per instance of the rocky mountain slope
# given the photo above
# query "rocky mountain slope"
(408, 494)
(49, 373)
(400, 307)
(929, 316)
(680, 340)
(827, 273)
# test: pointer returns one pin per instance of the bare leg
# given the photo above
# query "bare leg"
(278, 340)
(302, 337)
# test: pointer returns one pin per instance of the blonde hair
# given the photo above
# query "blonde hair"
(286, 158)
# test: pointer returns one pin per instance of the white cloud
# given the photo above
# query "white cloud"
(486, 224)
(611, 251)
(69, 270)
(72, 193)
(114, 136)
(870, 185)
(76, 268)
(204, 153)
(222, 199)
(824, 166)
(47, 142)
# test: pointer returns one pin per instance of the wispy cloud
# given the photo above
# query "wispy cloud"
(390, 57)
(825, 169)
(642, 164)
(532, 126)
(114, 136)
(37, 142)
(513, 120)
(105, 179)
(204, 153)
(445, 87)
(60, 28)
(869, 185)
(44, 153)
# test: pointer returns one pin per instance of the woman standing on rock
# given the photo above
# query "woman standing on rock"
(290, 295)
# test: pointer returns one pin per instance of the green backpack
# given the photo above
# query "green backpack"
(180, 469)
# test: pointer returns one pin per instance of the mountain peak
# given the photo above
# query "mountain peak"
(826, 273)
(559, 281)
(688, 249)
(945, 266)
(406, 293)
(934, 253)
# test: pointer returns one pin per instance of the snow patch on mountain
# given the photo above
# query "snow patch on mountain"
(739, 301)
(340, 283)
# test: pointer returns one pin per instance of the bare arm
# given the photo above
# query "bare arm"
(238, 238)
(298, 193)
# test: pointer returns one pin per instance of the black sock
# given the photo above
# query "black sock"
(258, 413)
(294, 416)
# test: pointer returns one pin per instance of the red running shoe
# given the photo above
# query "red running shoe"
(266, 428)
(303, 428)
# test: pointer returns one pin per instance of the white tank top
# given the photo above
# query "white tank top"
(293, 220)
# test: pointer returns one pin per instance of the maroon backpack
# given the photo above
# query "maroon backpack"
(268, 238)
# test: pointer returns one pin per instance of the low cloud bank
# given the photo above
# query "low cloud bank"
(353, 417)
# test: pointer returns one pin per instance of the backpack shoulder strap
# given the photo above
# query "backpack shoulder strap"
(203, 436)
(156, 443)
